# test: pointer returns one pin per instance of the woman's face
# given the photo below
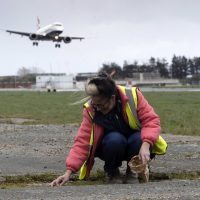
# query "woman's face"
(102, 104)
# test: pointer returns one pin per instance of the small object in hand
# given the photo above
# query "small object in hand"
(141, 169)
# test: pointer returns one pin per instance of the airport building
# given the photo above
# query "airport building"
(54, 82)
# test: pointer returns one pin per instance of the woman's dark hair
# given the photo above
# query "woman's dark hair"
(105, 85)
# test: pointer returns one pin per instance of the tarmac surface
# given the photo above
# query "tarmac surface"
(37, 149)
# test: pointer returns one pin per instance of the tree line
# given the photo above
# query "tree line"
(24, 75)
(180, 68)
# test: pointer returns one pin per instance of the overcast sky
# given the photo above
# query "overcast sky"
(115, 30)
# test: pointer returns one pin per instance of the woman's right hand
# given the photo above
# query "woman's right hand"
(61, 179)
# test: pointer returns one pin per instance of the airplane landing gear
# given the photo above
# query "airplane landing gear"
(57, 45)
(35, 43)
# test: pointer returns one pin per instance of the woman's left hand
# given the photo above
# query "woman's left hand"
(144, 153)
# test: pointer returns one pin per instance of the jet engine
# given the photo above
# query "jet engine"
(33, 36)
(67, 39)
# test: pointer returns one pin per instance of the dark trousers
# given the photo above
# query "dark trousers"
(115, 148)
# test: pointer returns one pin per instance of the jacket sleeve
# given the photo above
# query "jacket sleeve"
(79, 151)
(150, 121)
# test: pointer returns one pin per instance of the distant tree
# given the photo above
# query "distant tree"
(109, 68)
(145, 67)
(152, 64)
(125, 63)
(105, 68)
(162, 68)
(136, 66)
(196, 66)
(191, 67)
(129, 69)
(28, 74)
(193, 71)
(179, 67)
(23, 71)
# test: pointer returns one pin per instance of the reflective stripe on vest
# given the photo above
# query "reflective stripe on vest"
(83, 170)
(131, 107)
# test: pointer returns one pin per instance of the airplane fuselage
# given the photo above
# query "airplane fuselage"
(51, 29)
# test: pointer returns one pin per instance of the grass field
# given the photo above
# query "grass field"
(179, 111)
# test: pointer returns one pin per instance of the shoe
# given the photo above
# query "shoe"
(113, 177)
(130, 177)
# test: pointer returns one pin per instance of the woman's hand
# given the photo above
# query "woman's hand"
(144, 153)
(61, 179)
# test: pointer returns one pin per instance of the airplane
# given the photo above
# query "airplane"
(50, 32)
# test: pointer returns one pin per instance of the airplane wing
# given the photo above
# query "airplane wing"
(77, 38)
(42, 37)
(32, 36)
(70, 38)
(19, 33)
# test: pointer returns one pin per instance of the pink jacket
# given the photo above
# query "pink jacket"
(150, 130)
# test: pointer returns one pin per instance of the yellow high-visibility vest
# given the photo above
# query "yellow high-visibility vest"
(160, 145)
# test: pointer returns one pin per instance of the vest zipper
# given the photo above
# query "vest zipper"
(118, 121)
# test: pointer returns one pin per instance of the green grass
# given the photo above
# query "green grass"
(43, 107)
(179, 111)
(22, 181)
(96, 178)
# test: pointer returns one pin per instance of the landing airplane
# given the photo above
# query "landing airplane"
(50, 32)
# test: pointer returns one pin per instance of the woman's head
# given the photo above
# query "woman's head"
(102, 90)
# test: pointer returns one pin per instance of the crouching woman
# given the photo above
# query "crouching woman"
(118, 124)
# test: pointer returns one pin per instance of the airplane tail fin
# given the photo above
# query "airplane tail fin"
(38, 23)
